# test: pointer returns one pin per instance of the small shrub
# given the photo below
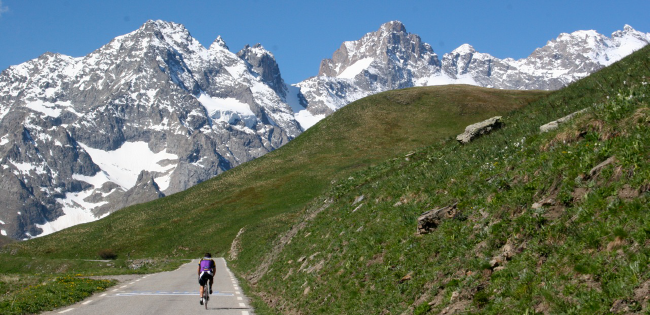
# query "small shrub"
(422, 309)
(453, 283)
(107, 254)
(481, 298)
(620, 233)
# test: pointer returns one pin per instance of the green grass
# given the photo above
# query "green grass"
(30, 285)
(32, 294)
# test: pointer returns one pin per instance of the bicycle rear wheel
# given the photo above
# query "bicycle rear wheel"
(206, 294)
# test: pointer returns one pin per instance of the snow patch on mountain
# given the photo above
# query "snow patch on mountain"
(48, 109)
(229, 110)
(75, 211)
(123, 165)
(296, 101)
(356, 68)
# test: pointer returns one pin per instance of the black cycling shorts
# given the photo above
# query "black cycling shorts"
(205, 276)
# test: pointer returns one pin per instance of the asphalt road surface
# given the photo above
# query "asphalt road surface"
(173, 292)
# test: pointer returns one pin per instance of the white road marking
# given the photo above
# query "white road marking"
(141, 293)
(242, 305)
(239, 298)
(87, 302)
(64, 311)
(244, 312)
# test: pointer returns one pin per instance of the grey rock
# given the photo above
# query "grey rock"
(556, 123)
(476, 130)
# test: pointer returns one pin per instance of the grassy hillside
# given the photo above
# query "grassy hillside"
(549, 223)
(279, 185)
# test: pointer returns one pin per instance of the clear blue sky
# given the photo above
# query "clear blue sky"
(301, 33)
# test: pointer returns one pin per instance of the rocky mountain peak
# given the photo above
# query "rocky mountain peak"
(219, 43)
(630, 33)
(464, 49)
(159, 36)
(261, 61)
(390, 46)
(393, 27)
(160, 26)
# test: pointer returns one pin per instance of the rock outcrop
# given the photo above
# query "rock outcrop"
(430, 220)
(476, 130)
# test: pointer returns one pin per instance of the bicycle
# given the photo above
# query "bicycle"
(206, 272)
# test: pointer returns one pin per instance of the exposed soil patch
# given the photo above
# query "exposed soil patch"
(263, 267)
(554, 212)
(579, 194)
(119, 278)
(627, 193)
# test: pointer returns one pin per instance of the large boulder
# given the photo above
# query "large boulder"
(478, 129)
(556, 123)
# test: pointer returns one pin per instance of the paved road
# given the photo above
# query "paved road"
(173, 292)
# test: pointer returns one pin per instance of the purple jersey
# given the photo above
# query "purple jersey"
(207, 264)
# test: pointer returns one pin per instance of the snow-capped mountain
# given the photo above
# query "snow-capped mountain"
(392, 58)
(154, 112)
(151, 113)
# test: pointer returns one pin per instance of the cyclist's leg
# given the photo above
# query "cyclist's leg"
(201, 283)
(211, 281)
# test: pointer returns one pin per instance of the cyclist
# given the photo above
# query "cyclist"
(206, 272)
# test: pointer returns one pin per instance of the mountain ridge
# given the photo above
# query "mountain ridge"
(372, 64)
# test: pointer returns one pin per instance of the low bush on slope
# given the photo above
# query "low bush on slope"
(549, 223)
